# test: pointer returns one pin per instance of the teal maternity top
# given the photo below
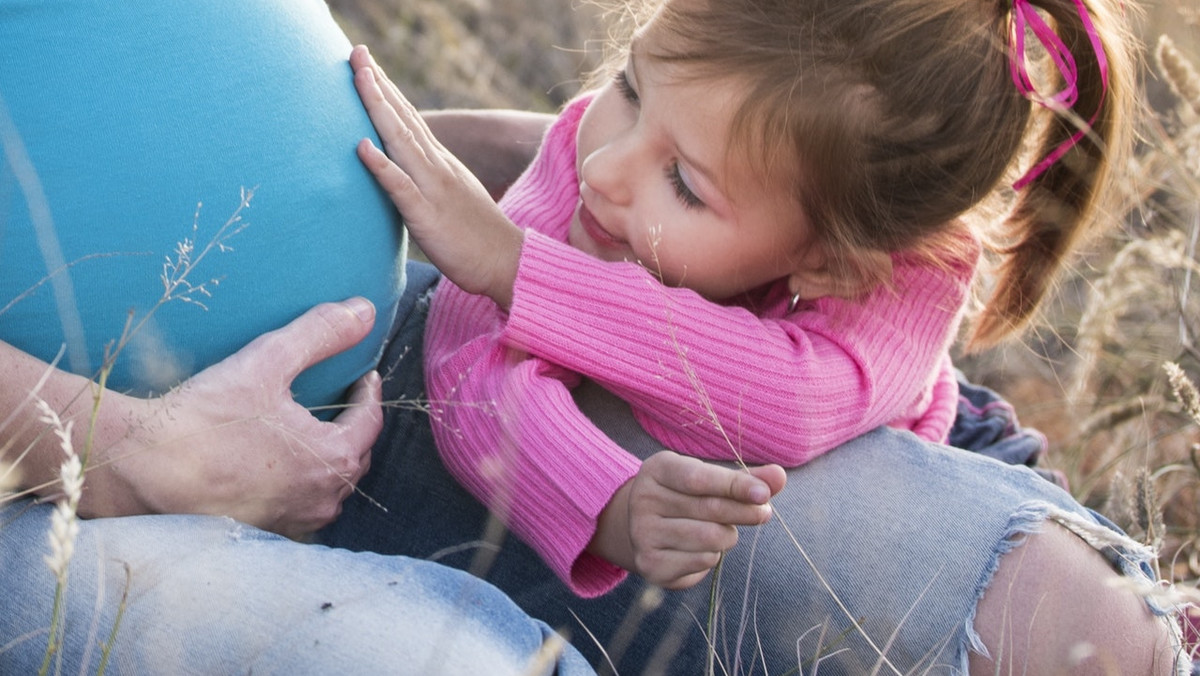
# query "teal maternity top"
(201, 150)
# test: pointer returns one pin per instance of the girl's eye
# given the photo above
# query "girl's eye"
(682, 190)
(621, 80)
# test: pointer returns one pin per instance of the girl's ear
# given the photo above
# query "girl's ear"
(815, 278)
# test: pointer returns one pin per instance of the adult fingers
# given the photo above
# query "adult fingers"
(321, 332)
(362, 420)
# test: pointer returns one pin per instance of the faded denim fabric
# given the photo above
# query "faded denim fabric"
(207, 595)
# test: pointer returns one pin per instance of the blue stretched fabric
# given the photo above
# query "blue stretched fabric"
(124, 136)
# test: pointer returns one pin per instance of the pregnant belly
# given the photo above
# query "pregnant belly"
(185, 169)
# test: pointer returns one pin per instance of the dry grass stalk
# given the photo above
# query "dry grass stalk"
(1135, 501)
(1179, 73)
(10, 477)
(1147, 512)
(1111, 416)
(1129, 296)
(64, 524)
(1185, 391)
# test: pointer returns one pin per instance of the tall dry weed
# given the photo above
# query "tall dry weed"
(1133, 448)
(10, 478)
(1178, 72)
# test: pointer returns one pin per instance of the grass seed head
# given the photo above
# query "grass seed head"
(1179, 73)
(1185, 391)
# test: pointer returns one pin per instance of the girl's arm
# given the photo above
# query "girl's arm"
(723, 382)
(229, 441)
(508, 429)
(505, 425)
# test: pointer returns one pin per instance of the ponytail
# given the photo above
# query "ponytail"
(1061, 198)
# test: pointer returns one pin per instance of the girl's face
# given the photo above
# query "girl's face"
(657, 186)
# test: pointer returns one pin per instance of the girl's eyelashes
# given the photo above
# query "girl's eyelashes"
(621, 79)
(682, 190)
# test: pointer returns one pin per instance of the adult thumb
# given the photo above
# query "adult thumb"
(321, 332)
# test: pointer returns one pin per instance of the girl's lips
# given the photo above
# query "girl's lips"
(594, 230)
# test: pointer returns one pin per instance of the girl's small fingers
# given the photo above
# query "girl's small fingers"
(391, 177)
(403, 108)
(390, 91)
(695, 477)
(414, 121)
(384, 101)
(773, 475)
(674, 569)
(719, 510)
(364, 61)
(712, 537)
(407, 113)
(689, 536)
(686, 581)
(360, 56)
(361, 59)
(384, 116)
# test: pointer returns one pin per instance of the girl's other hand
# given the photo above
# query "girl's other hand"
(672, 521)
(231, 441)
(447, 210)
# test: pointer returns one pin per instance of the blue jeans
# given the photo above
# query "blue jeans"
(884, 545)
(207, 595)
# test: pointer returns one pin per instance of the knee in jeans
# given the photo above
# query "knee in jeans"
(1055, 605)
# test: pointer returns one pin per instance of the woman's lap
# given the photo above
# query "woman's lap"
(207, 595)
(883, 546)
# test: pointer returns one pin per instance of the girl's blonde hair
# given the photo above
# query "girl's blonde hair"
(893, 118)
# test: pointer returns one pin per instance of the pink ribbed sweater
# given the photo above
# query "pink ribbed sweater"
(749, 380)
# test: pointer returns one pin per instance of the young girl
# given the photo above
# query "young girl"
(768, 193)
(759, 246)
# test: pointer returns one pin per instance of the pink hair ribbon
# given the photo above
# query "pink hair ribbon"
(1025, 16)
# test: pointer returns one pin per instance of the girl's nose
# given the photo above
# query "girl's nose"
(608, 171)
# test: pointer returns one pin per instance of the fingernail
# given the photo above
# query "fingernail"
(362, 308)
(759, 494)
